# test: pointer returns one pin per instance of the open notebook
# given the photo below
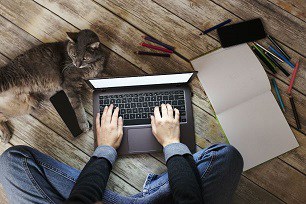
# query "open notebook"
(240, 93)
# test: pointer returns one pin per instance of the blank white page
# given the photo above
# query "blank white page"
(258, 129)
(231, 76)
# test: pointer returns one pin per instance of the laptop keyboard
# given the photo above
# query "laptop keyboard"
(136, 108)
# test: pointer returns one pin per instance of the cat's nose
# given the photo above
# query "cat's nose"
(78, 64)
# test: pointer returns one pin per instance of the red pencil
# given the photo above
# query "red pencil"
(293, 77)
(156, 47)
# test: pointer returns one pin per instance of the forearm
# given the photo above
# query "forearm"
(92, 181)
(184, 178)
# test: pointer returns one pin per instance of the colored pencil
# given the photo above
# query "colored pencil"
(216, 27)
(156, 47)
(262, 47)
(296, 116)
(281, 103)
(278, 47)
(281, 56)
(293, 77)
(263, 58)
(151, 39)
(152, 54)
(277, 64)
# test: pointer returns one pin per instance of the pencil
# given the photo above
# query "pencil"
(215, 27)
(293, 77)
(153, 40)
(278, 47)
(263, 58)
(281, 103)
(281, 56)
(152, 54)
(296, 116)
(156, 47)
(277, 64)
(262, 47)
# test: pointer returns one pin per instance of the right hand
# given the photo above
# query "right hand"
(166, 128)
(110, 130)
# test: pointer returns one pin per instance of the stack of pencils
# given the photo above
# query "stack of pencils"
(165, 49)
(272, 58)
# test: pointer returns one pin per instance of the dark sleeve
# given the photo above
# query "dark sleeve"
(184, 178)
(92, 181)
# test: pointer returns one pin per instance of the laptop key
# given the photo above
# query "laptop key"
(135, 110)
(129, 110)
(181, 102)
(138, 115)
(132, 116)
(133, 105)
(159, 98)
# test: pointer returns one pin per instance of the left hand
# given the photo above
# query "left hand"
(110, 131)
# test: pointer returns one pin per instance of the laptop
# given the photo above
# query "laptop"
(136, 98)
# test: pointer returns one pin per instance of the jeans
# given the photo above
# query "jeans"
(29, 176)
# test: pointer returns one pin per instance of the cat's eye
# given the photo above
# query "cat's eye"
(86, 58)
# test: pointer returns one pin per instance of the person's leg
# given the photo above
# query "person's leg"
(219, 166)
(29, 176)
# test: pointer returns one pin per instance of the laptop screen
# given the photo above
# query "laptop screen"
(141, 80)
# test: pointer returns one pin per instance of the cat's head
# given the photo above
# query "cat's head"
(84, 48)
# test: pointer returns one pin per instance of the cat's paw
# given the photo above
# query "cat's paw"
(85, 127)
(5, 136)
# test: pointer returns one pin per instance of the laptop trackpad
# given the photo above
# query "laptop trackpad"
(142, 140)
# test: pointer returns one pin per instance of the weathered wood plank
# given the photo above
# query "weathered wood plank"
(248, 192)
(204, 14)
(295, 7)
(297, 157)
(292, 29)
(288, 184)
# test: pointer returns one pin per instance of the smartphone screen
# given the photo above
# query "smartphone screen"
(243, 32)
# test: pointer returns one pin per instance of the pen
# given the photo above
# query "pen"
(277, 64)
(296, 116)
(151, 39)
(268, 52)
(152, 54)
(216, 26)
(281, 103)
(156, 47)
(281, 56)
(293, 77)
(278, 47)
(263, 58)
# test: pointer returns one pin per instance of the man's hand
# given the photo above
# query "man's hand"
(166, 129)
(110, 131)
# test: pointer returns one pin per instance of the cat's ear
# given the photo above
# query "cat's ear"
(72, 37)
(95, 45)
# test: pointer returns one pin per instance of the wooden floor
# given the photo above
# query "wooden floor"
(121, 25)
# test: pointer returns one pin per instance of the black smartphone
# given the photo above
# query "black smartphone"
(243, 32)
(63, 107)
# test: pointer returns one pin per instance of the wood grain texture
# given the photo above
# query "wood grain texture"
(205, 14)
(292, 29)
(121, 39)
(294, 7)
(280, 179)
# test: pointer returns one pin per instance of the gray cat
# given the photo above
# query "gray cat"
(36, 75)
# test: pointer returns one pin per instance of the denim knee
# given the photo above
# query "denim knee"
(233, 156)
(12, 157)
